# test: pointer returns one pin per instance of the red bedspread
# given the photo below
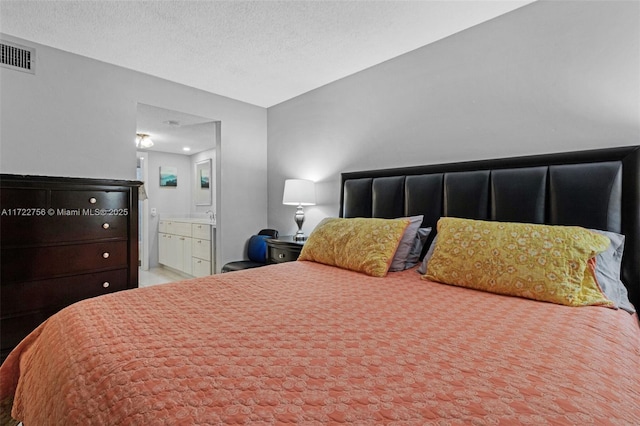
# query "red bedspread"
(306, 343)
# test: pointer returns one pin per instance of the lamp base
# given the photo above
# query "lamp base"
(299, 236)
(299, 219)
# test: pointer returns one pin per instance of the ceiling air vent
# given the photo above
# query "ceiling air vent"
(16, 57)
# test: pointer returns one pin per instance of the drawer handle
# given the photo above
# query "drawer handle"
(199, 261)
(105, 284)
(92, 200)
(105, 225)
(105, 254)
(281, 256)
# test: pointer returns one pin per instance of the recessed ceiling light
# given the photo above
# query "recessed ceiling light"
(186, 148)
(172, 123)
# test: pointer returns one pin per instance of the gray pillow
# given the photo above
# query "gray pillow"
(423, 268)
(608, 265)
(406, 243)
(416, 250)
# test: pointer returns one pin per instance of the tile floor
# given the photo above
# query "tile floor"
(155, 276)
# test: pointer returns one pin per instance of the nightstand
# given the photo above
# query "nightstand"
(283, 249)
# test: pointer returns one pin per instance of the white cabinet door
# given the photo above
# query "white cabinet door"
(174, 252)
(185, 254)
(163, 249)
(171, 251)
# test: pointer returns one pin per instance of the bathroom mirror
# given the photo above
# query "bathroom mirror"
(202, 183)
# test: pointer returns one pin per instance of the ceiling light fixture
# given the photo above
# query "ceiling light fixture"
(143, 140)
(186, 148)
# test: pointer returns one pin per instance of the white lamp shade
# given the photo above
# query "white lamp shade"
(299, 192)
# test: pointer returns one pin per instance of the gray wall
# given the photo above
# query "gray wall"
(77, 117)
(549, 77)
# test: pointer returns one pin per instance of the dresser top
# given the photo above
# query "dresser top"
(40, 180)
(285, 240)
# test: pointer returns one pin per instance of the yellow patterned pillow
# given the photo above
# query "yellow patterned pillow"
(359, 244)
(541, 262)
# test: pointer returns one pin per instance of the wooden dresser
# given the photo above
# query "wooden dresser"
(62, 240)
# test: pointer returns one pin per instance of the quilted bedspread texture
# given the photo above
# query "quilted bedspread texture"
(305, 343)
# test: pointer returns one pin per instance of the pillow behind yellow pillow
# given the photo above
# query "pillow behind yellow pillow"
(360, 244)
(541, 262)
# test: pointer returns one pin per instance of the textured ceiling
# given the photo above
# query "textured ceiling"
(260, 52)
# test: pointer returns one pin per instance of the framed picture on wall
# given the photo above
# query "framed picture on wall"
(202, 187)
(168, 176)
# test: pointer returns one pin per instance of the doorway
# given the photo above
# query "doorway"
(180, 141)
(143, 205)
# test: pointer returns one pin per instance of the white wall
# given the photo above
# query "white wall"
(76, 117)
(549, 77)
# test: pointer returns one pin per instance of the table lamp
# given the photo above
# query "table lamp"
(299, 192)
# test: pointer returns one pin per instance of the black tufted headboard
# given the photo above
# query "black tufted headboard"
(597, 189)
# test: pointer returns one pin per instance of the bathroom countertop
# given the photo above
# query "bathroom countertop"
(197, 220)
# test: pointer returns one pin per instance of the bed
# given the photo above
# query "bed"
(320, 341)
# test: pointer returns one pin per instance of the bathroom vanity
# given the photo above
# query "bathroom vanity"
(187, 245)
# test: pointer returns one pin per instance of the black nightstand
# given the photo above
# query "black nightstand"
(283, 249)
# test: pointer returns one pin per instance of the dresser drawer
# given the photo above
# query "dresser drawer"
(200, 268)
(176, 228)
(283, 249)
(60, 229)
(34, 295)
(29, 218)
(22, 198)
(201, 249)
(88, 215)
(23, 214)
(33, 263)
(281, 254)
(88, 199)
(200, 231)
(90, 227)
